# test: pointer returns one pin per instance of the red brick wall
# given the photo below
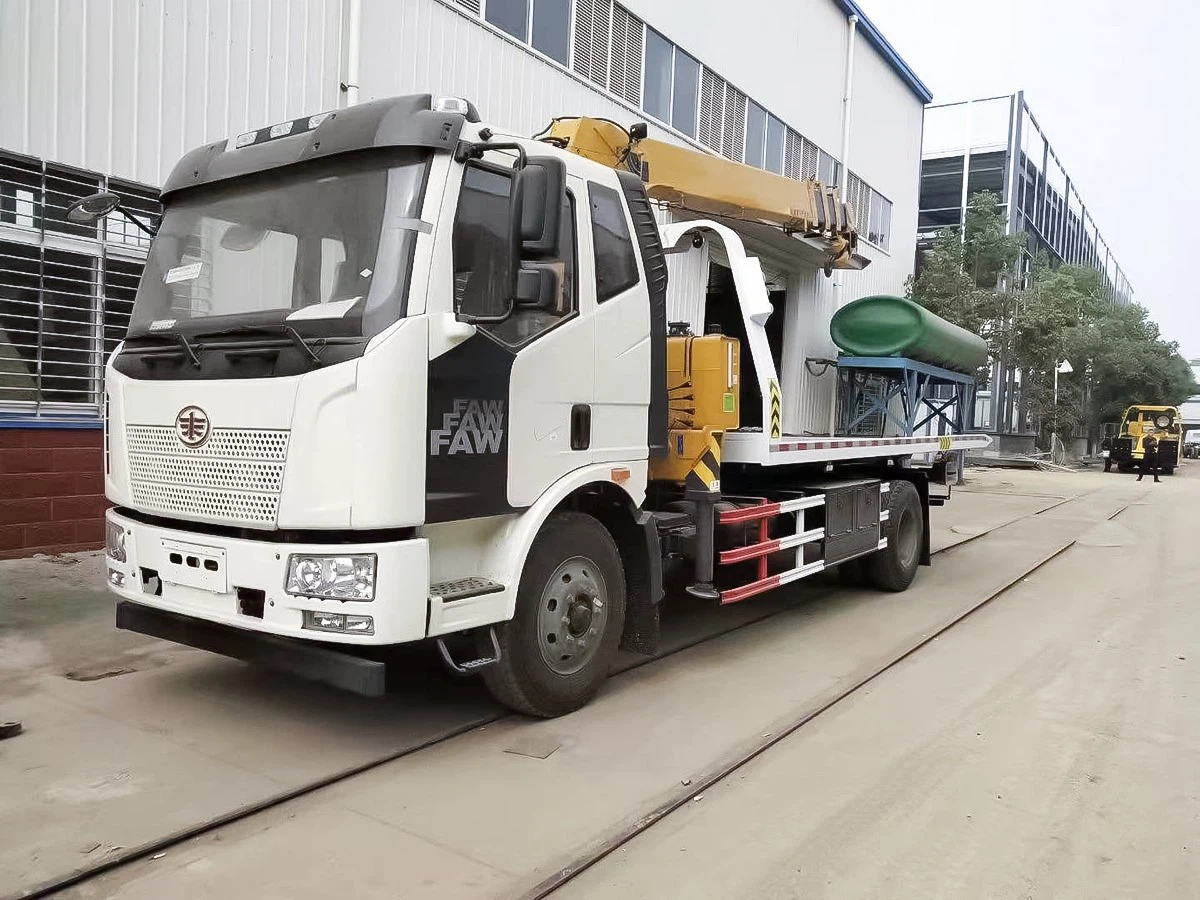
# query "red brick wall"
(51, 490)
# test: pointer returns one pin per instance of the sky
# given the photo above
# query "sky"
(1115, 86)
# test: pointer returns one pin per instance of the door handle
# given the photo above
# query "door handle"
(581, 426)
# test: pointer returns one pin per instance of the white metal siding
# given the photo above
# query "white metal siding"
(886, 152)
(811, 302)
(788, 55)
(428, 46)
(687, 279)
(126, 87)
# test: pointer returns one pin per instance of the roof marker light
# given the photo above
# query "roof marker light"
(314, 121)
(451, 105)
(281, 129)
(246, 139)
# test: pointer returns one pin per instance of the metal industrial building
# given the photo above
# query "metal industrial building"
(1002, 148)
(108, 94)
(995, 144)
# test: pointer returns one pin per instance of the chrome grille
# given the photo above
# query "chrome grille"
(226, 506)
(225, 443)
(242, 475)
(235, 476)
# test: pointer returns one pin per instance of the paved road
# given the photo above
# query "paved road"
(1047, 747)
(870, 811)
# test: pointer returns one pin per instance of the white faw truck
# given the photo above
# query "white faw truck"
(391, 377)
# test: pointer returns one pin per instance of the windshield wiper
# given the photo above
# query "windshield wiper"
(301, 344)
(172, 337)
(286, 330)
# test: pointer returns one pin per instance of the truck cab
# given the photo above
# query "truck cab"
(364, 342)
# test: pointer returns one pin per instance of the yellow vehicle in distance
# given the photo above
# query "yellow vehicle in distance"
(1140, 422)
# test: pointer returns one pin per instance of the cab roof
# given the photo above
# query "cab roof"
(408, 121)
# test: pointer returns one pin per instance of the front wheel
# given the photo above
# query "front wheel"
(894, 567)
(1168, 470)
(1107, 465)
(562, 640)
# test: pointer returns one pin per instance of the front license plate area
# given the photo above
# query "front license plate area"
(194, 565)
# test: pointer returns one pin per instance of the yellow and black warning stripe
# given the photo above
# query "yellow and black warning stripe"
(776, 410)
(705, 474)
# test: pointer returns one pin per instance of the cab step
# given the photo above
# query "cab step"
(467, 666)
(462, 588)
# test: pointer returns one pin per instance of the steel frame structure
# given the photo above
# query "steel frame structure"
(910, 382)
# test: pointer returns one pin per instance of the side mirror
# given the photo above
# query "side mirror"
(539, 287)
(88, 210)
(535, 201)
(541, 184)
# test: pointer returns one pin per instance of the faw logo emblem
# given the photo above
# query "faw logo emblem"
(191, 426)
(474, 426)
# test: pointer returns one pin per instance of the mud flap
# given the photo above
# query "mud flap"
(643, 591)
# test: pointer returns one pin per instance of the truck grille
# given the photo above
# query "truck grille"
(236, 476)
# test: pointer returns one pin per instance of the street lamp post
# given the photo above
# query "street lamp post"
(1063, 368)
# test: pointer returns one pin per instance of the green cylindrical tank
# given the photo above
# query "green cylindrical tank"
(894, 326)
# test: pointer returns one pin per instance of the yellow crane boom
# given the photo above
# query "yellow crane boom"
(714, 186)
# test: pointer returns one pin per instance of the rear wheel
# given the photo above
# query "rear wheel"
(1168, 470)
(1107, 465)
(560, 644)
(894, 567)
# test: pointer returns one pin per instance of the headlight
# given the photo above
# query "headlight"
(114, 540)
(333, 577)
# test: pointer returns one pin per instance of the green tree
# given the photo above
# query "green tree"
(966, 276)
(1129, 363)
(1059, 313)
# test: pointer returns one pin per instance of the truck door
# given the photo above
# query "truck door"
(502, 403)
(623, 384)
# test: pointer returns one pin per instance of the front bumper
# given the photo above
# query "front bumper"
(210, 591)
(302, 659)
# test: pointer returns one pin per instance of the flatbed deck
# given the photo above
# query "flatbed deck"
(757, 448)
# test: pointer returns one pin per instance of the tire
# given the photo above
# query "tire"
(1108, 465)
(573, 563)
(1168, 470)
(895, 567)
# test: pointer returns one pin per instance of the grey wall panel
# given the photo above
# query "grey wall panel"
(127, 86)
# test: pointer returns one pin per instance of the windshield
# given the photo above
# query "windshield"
(325, 241)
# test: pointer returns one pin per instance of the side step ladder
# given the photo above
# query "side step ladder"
(763, 513)
(466, 667)
(461, 589)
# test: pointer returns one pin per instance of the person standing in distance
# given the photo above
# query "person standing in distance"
(1149, 459)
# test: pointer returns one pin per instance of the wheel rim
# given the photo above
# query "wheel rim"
(572, 615)
(908, 539)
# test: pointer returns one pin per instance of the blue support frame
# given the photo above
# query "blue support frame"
(910, 381)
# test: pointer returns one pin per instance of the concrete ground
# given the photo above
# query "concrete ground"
(1047, 747)
(129, 739)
